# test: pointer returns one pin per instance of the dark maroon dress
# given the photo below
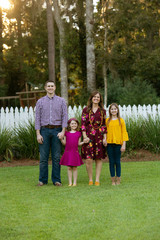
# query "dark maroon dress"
(94, 126)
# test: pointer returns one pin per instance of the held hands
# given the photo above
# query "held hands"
(60, 135)
(86, 140)
(39, 139)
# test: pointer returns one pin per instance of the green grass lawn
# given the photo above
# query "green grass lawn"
(130, 211)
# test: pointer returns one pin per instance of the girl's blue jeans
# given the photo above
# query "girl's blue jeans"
(114, 155)
(50, 142)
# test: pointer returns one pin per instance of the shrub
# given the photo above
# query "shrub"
(138, 92)
(134, 128)
(7, 144)
(151, 134)
(27, 145)
(144, 133)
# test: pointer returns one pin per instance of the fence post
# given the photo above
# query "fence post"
(2, 122)
(7, 118)
(17, 117)
(134, 111)
(12, 117)
(31, 114)
(154, 111)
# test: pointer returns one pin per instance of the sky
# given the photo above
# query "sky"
(95, 1)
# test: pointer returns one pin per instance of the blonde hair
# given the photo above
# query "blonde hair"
(110, 115)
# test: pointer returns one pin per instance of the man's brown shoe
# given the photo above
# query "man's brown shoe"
(40, 184)
(58, 184)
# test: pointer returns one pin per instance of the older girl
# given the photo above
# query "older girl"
(116, 141)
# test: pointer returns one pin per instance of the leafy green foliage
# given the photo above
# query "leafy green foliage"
(136, 139)
(3, 90)
(151, 134)
(132, 50)
(137, 92)
(7, 144)
(144, 133)
(26, 140)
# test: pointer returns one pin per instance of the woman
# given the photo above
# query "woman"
(94, 134)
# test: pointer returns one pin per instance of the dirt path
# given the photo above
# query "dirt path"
(140, 155)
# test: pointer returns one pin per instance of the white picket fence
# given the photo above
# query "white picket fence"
(11, 118)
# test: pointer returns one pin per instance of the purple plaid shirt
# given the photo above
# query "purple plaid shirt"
(52, 111)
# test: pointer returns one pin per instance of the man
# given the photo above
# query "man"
(50, 123)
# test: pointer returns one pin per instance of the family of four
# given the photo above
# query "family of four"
(54, 129)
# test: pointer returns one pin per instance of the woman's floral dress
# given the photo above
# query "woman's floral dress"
(94, 126)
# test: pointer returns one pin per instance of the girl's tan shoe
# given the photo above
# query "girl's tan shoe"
(118, 180)
(113, 179)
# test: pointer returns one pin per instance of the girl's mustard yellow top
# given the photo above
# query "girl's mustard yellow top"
(116, 132)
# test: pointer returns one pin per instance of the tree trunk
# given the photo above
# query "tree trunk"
(105, 51)
(1, 39)
(105, 83)
(90, 51)
(82, 40)
(1, 49)
(63, 61)
(51, 41)
(18, 5)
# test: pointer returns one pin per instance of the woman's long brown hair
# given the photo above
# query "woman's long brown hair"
(89, 103)
(110, 115)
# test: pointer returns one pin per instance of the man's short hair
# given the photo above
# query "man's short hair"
(48, 82)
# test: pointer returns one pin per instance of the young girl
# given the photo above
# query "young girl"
(71, 156)
(116, 141)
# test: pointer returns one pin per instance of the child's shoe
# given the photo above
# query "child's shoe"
(97, 183)
(70, 185)
(118, 180)
(113, 179)
(90, 183)
(74, 185)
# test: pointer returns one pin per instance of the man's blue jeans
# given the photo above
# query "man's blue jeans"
(50, 142)
(114, 155)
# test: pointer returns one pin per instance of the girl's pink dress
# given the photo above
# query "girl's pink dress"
(71, 156)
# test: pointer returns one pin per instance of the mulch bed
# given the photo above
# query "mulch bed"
(136, 156)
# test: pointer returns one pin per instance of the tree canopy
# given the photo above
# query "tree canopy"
(126, 36)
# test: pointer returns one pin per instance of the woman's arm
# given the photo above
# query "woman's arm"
(85, 138)
(84, 125)
(105, 140)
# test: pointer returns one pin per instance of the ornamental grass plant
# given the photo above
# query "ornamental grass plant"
(27, 145)
(151, 134)
(7, 144)
(22, 142)
(134, 129)
(127, 211)
(143, 134)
